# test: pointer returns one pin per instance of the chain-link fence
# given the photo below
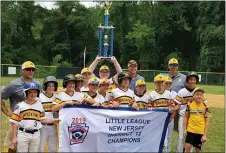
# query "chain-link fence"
(7, 70)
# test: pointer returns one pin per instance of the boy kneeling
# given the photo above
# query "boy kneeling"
(196, 122)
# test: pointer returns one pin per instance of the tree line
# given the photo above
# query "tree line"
(151, 33)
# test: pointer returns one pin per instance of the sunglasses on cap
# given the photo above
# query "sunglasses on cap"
(174, 65)
(29, 69)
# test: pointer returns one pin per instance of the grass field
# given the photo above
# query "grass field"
(216, 134)
(209, 89)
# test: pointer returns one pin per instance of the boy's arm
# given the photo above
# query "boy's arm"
(186, 117)
(89, 101)
(117, 65)
(94, 64)
(204, 137)
(14, 135)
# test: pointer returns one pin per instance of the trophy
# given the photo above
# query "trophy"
(103, 34)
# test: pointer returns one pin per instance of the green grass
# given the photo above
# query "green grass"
(215, 142)
(215, 139)
(209, 89)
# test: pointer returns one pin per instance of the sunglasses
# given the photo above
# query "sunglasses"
(168, 83)
(30, 69)
(174, 65)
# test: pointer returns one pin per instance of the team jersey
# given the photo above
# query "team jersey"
(173, 94)
(125, 98)
(97, 97)
(47, 103)
(106, 99)
(84, 89)
(77, 97)
(28, 116)
(141, 101)
(184, 96)
(197, 113)
(160, 100)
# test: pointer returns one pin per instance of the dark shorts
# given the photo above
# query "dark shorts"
(194, 139)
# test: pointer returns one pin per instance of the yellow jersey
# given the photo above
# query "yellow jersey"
(197, 114)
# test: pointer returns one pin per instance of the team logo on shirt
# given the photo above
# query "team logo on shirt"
(77, 133)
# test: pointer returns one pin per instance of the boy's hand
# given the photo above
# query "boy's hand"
(56, 121)
(171, 118)
(150, 108)
(14, 142)
(185, 133)
(115, 104)
(9, 113)
(95, 104)
(204, 138)
(69, 102)
(134, 105)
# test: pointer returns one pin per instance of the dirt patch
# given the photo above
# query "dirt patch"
(213, 100)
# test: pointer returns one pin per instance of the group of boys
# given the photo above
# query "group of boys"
(34, 120)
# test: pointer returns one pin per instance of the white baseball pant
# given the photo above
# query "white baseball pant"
(27, 142)
(168, 139)
(180, 141)
(48, 133)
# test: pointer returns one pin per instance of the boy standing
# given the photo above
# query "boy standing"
(196, 122)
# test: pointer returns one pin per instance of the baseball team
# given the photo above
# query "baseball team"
(33, 113)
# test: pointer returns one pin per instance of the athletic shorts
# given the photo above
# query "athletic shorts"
(194, 139)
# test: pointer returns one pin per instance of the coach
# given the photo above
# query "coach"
(14, 92)
(178, 79)
(132, 70)
(178, 82)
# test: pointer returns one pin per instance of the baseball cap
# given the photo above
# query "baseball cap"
(86, 69)
(167, 78)
(198, 89)
(28, 64)
(79, 77)
(132, 62)
(104, 67)
(104, 81)
(140, 82)
(173, 61)
(94, 80)
(159, 78)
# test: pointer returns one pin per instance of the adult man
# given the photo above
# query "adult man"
(132, 70)
(178, 79)
(14, 92)
(178, 82)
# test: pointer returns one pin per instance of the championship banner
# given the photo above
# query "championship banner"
(87, 129)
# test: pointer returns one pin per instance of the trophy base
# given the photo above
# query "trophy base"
(102, 57)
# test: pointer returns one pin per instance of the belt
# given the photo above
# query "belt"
(28, 131)
(48, 124)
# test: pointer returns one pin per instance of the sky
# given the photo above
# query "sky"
(50, 4)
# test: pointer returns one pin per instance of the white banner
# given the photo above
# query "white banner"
(88, 129)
